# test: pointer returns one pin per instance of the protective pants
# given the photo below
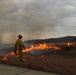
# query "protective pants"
(19, 55)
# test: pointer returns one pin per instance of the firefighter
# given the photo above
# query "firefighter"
(19, 46)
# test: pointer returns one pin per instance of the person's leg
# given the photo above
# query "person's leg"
(20, 56)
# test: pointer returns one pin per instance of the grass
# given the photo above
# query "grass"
(62, 62)
(53, 63)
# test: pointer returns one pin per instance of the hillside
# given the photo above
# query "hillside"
(52, 40)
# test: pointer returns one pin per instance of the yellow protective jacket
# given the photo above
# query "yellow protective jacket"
(19, 45)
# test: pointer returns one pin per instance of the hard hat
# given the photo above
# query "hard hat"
(19, 35)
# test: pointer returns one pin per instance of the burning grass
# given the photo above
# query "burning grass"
(60, 62)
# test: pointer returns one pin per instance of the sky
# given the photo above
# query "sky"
(36, 19)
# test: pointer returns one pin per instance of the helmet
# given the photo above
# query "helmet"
(20, 36)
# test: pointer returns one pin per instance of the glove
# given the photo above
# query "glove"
(15, 51)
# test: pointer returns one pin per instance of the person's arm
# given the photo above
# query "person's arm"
(15, 50)
(16, 44)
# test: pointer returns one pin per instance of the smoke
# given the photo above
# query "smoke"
(34, 19)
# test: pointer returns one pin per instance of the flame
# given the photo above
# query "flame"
(5, 57)
(69, 44)
(42, 47)
(34, 47)
(7, 54)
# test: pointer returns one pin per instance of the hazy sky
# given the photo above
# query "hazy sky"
(36, 19)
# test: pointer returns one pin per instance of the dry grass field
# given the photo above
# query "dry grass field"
(60, 62)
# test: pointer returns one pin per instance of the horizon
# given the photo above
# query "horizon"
(38, 39)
